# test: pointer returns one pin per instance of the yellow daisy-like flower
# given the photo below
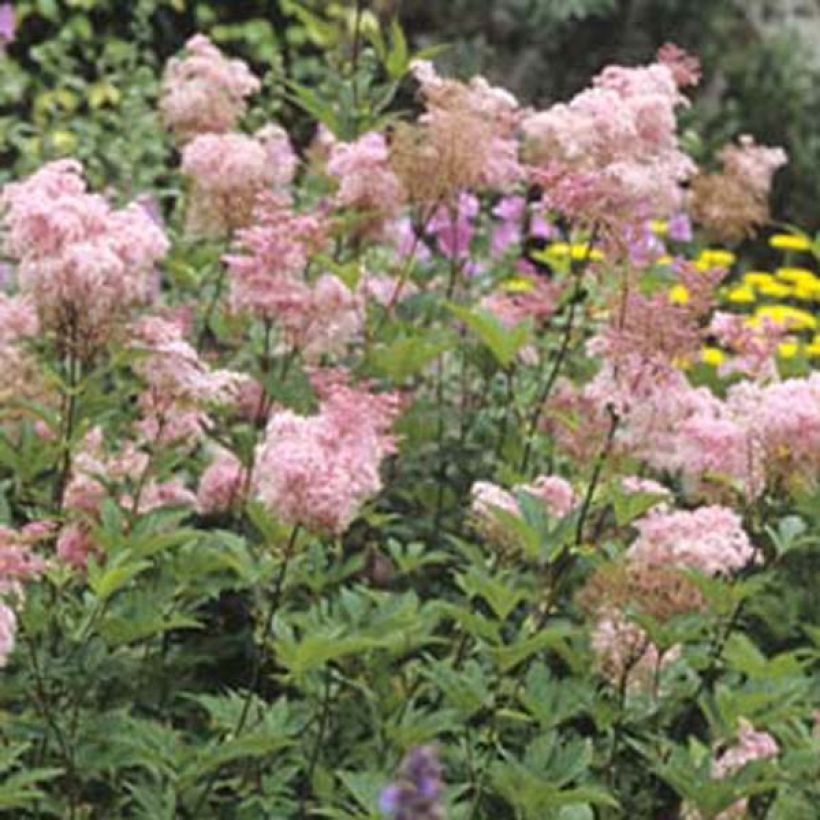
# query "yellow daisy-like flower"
(789, 242)
(775, 290)
(659, 227)
(666, 259)
(741, 295)
(808, 291)
(577, 251)
(787, 350)
(713, 356)
(813, 349)
(795, 275)
(518, 285)
(788, 315)
(678, 295)
(754, 278)
(715, 258)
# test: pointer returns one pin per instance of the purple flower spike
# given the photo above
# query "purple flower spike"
(416, 792)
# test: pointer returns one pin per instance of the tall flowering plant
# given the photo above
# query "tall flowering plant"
(424, 466)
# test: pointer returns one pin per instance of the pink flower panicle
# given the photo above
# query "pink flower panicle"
(81, 262)
(221, 483)
(319, 470)
(203, 91)
(228, 172)
(268, 265)
(487, 498)
(752, 163)
(18, 563)
(180, 387)
(709, 539)
(612, 152)
(366, 181)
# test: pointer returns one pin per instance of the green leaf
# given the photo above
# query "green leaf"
(408, 355)
(508, 657)
(114, 577)
(503, 342)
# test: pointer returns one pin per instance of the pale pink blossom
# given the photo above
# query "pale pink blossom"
(268, 266)
(227, 172)
(611, 154)
(319, 470)
(751, 745)
(752, 163)
(82, 263)
(554, 492)
(180, 386)
(709, 539)
(74, 545)
(220, 484)
(203, 91)
(366, 181)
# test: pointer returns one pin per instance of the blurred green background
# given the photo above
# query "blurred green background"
(81, 76)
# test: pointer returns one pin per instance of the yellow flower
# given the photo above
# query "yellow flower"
(791, 316)
(678, 295)
(577, 251)
(813, 349)
(518, 285)
(715, 258)
(795, 275)
(787, 350)
(666, 259)
(660, 227)
(808, 291)
(775, 289)
(741, 294)
(713, 356)
(789, 242)
(757, 277)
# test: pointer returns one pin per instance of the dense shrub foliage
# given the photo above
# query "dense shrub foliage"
(439, 461)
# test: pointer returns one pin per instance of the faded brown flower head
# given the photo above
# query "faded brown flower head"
(661, 592)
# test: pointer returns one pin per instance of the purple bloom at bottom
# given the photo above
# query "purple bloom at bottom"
(7, 24)
(416, 792)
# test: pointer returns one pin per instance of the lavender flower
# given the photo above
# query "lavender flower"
(8, 25)
(416, 792)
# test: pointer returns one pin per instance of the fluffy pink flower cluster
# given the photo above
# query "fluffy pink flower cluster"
(754, 164)
(366, 180)
(268, 267)
(318, 471)
(709, 539)
(19, 373)
(612, 152)
(267, 279)
(82, 262)
(753, 348)
(751, 745)
(227, 172)
(17, 564)
(203, 91)
(220, 484)
(487, 498)
(179, 385)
